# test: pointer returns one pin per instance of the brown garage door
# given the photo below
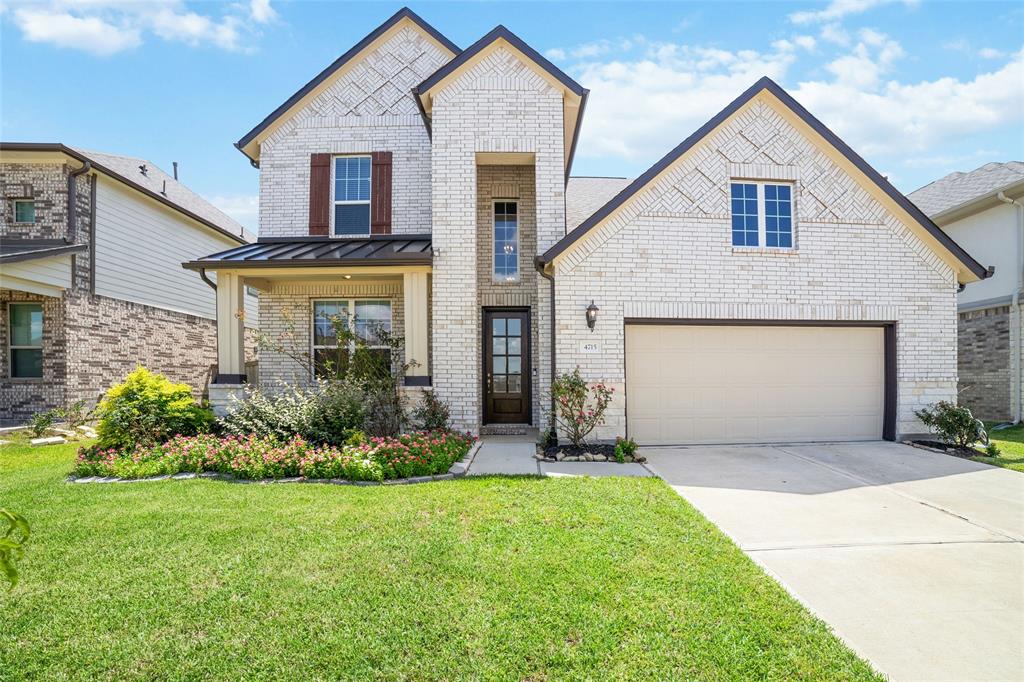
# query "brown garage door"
(754, 384)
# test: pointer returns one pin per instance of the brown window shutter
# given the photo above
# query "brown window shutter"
(319, 194)
(380, 193)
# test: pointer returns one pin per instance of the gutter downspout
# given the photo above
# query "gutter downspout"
(202, 276)
(551, 278)
(72, 200)
(1016, 407)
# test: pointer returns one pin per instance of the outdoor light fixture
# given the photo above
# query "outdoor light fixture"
(592, 315)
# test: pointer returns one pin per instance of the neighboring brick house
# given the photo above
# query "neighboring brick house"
(984, 211)
(90, 276)
(759, 283)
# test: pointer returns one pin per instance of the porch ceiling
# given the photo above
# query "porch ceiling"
(312, 252)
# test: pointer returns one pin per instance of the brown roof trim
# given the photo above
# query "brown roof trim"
(83, 158)
(404, 13)
(277, 252)
(771, 86)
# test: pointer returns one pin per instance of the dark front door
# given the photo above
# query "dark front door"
(506, 367)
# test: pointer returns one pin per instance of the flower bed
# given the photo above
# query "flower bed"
(415, 454)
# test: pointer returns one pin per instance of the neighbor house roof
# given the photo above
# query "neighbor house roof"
(766, 84)
(584, 195)
(322, 251)
(577, 94)
(14, 250)
(155, 183)
(246, 144)
(960, 190)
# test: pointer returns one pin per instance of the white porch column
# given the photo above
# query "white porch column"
(416, 350)
(230, 328)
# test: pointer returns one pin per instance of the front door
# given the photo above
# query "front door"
(506, 367)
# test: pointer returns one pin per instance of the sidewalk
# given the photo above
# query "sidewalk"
(513, 455)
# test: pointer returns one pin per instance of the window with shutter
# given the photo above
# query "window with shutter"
(319, 194)
(381, 201)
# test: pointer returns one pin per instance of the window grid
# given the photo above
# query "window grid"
(24, 211)
(762, 213)
(351, 195)
(368, 315)
(744, 214)
(506, 241)
(778, 216)
(25, 345)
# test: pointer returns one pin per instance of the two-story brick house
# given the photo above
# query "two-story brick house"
(760, 282)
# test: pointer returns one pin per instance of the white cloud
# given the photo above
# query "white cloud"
(836, 10)
(555, 53)
(105, 27)
(834, 33)
(871, 58)
(990, 53)
(244, 208)
(806, 42)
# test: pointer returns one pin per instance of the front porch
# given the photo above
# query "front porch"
(378, 281)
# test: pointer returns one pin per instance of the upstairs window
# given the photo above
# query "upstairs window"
(506, 241)
(24, 211)
(26, 341)
(351, 199)
(762, 214)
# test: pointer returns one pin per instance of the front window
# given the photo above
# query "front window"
(351, 196)
(26, 342)
(367, 319)
(762, 213)
(506, 241)
(24, 211)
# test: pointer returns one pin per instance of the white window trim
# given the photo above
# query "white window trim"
(313, 347)
(762, 222)
(14, 209)
(334, 202)
(10, 338)
(494, 220)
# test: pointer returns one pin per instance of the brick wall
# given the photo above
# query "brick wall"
(499, 105)
(47, 185)
(21, 398)
(370, 108)
(668, 254)
(984, 362)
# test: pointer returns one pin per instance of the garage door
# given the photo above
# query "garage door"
(753, 384)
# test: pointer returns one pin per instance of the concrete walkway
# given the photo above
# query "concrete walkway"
(513, 455)
(916, 559)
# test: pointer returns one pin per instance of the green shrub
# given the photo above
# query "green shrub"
(147, 409)
(75, 414)
(992, 450)
(12, 544)
(579, 406)
(41, 422)
(624, 447)
(953, 424)
(432, 414)
(329, 412)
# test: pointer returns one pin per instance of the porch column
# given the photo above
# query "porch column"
(416, 301)
(230, 329)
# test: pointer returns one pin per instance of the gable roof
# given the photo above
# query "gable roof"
(958, 191)
(156, 184)
(405, 13)
(766, 84)
(580, 93)
(584, 195)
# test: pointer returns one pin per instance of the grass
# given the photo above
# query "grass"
(1011, 447)
(492, 578)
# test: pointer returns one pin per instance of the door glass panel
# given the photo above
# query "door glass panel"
(514, 364)
(499, 384)
(514, 345)
(514, 326)
(498, 365)
(514, 383)
(499, 345)
(498, 325)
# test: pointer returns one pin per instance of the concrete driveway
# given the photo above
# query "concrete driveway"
(916, 559)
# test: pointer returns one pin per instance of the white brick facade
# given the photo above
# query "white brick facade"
(668, 254)
(369, 108)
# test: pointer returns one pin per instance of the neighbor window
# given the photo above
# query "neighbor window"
(351, 195)
(506, 241)
(26, 342)
(762, 214)
(331, 355)
(24, 211)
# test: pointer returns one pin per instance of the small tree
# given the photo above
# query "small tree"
(579, 407)
(953, 424)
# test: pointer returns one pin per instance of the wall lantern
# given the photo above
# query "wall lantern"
(592, 315)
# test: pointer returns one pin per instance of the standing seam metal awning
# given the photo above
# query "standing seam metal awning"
(323, 251)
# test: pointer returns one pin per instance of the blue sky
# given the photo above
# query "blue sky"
(920, 89)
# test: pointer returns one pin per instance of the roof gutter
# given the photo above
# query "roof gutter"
(1016, 399)
(73, 199)
(202, 276)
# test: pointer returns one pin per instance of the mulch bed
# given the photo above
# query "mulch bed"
(600, 452)
(949, 449)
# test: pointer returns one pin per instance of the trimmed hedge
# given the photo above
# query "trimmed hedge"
(414, 454)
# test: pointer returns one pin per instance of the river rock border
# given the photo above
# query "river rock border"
(456, 470)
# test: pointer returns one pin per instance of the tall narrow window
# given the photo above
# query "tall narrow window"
(506, 241)
(351, 195)
(744, 214)
(24, 211)
(26, 342)
(778, 216)
(367, 319)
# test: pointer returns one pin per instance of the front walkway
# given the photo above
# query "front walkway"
(916, 559)
(513, 455)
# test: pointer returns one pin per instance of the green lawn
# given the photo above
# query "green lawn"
(496, 578)
(1011, 445)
